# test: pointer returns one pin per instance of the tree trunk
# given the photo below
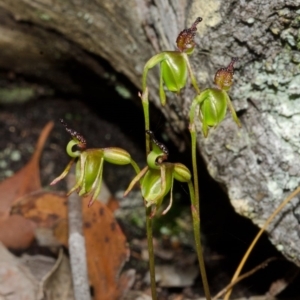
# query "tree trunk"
(257, 164)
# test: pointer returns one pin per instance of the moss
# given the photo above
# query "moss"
(16, 95)
(123, 91)
(15, 155)
(45, 17)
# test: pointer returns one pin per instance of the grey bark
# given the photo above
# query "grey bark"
(257, 164)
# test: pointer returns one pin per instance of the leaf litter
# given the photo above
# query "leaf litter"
(28, 213)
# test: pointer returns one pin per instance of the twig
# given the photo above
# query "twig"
(250, 248)
(77, 246)
(247, 274)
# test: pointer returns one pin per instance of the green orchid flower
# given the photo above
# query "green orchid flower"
(213, 102)
(174, 65)
(89, 165)
(157, 178)
(174, 70)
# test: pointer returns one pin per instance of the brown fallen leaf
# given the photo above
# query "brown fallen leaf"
(106, 245)
(17, 232)
(46, 209)
(26, 180)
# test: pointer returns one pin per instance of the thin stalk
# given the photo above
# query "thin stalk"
(149, 240)
(151, 252)
(242, 277)
(194, 154)
(196, 200)
(250, 248)
(153, 61)
(145, 103)
(192, 76)
(135, 166)
(196, 227)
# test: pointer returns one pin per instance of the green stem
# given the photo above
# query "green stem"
(194, 153)
(233, 113)
(151, 252)
(193, 78)
(135, 166)
(149, 240)
(145, 103)
(153, 61)
(194, 163)
(196, 208)
(197, 230)
(149, 237)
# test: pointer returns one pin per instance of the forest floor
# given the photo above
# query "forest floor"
(225, 234)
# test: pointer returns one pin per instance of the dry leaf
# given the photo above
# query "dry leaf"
(126, 281)
(16, 281)
(34, 277)
(48, 210)
(107, 250)
(106, 245)
(137, 295)
(173, 276)
(277, 287)
(26, 180)
(57, 284)
(17, 232)
(44, 208)
(113, 204)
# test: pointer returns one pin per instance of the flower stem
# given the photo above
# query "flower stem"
(194, 194)
(192, 76)
(145, 103)
(135, 166)
(151, 252)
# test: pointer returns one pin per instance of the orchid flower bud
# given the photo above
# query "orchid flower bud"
(224, 76)
(185, 40)
(117, 156)
(181, 173)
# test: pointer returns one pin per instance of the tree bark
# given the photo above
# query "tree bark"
(257, 164)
